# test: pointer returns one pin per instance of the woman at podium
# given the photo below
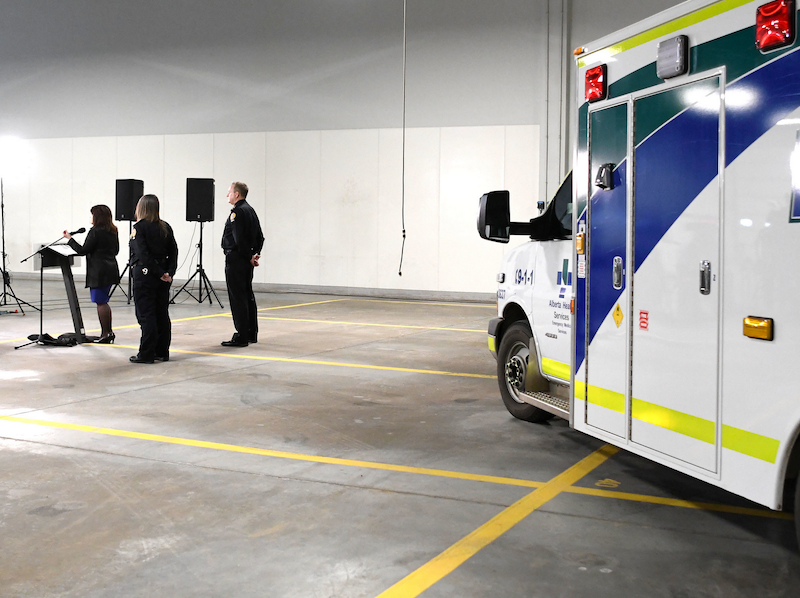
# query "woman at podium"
(102, 272)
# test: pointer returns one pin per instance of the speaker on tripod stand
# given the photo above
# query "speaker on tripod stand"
(199, 208)
(128, 193)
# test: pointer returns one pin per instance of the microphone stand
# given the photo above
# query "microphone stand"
(39, 340)
(7, 290)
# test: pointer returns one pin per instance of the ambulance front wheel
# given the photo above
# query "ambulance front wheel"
(513, 359)
(797, 509)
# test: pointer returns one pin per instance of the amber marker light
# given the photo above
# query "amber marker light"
(760, 328)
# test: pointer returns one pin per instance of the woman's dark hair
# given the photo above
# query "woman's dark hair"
(147, 209)
(102, 218)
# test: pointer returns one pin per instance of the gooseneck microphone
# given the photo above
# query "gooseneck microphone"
(79, 231)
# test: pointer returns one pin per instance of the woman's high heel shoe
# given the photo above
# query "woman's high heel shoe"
(108, 339)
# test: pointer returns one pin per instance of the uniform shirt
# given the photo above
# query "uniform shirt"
(152, 251)
(242, 234)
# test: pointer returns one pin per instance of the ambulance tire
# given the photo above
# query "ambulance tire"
(514, 352)
(797, 510)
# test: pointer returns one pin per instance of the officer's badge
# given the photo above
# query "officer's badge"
(233, 216)
(144, 271)
(133, 234)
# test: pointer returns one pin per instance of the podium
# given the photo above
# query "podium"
(63, 256)
(58, 255)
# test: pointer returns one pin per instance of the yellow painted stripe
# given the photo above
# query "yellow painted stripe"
(748, 443)
(439, 303)
(443, 473)
(580, 390)
(735, 439)
(395, 468)
(371, 324)
(445, 563)
(302, 304)
(693, 18)
(555, 368)
(315, 362)
(606, 398)
(676, 421)
(685, 504)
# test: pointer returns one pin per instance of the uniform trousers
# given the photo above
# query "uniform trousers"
(239, 278)
(151, 298)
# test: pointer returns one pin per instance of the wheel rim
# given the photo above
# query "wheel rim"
(516, 370)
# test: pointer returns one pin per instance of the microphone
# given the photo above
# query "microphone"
(79, 231)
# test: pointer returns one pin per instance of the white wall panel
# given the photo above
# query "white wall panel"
(94, 172)
(237, 157)
(291, 217)
(422, 181)
(16, 158)
(390, 185)
(472, 163)
(142, 157)
(185, 156)
(51, 189)
(349, 208)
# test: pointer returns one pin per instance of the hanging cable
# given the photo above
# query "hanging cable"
(403, 168)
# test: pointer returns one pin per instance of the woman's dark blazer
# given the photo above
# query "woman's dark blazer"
(100, 248)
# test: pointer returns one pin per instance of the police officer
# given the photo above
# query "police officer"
(242, 241)
(154, 259)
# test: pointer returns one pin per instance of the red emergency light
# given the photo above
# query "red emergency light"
(775, 25)
(596, 87)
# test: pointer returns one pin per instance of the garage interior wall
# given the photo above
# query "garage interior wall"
(304, 100)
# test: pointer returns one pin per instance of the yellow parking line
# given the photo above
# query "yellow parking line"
(445, 563)
(442, 303)
(442, 473)
(316, 362)
(370, 324)
(304, 304)
(505, 481)
(686, 504)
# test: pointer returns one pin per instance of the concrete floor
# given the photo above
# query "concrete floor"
(288, 469)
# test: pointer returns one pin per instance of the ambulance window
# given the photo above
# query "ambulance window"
(563, 201)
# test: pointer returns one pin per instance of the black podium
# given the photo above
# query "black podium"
(58, 255)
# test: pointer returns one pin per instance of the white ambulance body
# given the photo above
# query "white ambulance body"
(686, 191)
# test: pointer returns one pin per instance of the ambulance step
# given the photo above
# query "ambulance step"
(552, 404)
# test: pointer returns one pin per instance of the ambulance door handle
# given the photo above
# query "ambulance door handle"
(705, 277)
(617, 273)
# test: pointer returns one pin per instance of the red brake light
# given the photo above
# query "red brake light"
(596, 88)
(775, 24)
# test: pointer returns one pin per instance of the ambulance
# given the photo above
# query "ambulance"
(655, 305)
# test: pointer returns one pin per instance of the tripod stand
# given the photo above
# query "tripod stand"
(127, 269)
(203, 278)
(7, 290)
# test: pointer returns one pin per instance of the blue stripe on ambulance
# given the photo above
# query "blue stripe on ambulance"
(773, 91)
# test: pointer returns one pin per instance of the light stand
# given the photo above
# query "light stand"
(203, 278)
(127, 269)
(7, 290)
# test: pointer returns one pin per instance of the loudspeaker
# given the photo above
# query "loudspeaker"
(128, 193)
(199, 200)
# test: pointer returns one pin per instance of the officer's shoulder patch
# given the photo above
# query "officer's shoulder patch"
(233, 216)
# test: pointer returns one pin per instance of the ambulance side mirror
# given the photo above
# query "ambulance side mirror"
(494, 216)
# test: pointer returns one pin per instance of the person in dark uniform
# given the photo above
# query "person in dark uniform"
(242, 241)
(102, 271)
(154, 259)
